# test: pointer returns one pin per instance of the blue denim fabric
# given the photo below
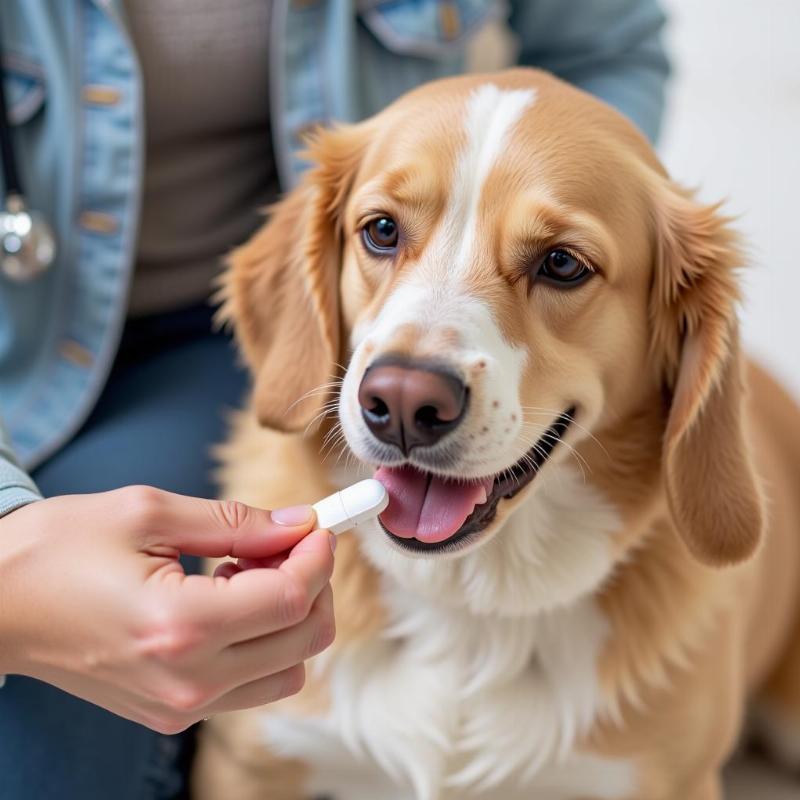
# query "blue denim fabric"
(76, 104)
(54, 746)
(163, 409)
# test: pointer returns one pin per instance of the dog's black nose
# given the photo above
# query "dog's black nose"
(410, 404)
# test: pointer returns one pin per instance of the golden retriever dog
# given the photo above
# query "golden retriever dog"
(492, 297)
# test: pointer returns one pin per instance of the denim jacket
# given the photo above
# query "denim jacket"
(75, 92)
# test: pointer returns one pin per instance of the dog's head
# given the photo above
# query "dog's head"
(505, 271)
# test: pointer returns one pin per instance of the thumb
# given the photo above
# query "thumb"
(217, 528)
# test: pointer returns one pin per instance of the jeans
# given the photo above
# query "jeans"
(161, 412)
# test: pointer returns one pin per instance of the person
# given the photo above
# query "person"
(149, 133)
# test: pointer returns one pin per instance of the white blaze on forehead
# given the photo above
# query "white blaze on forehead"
(491, 115)
(435, 284)
(434, 287)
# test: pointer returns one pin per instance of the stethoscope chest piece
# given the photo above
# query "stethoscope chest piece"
(27, 244)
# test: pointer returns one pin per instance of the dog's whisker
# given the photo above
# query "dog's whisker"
(323, 388)
(336, 429)
(583, 464)
(325, 412)
(332, 404)
(538, 411)
(334, 439)
(339, 444)
(337, 440)
(350, 459)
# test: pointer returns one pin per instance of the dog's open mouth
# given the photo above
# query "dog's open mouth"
(427, 512)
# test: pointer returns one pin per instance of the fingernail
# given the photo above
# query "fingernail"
(332, 542)
(292, 516)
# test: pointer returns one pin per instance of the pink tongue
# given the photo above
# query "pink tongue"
(426, 507)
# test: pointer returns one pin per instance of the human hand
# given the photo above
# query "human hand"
(94, 600)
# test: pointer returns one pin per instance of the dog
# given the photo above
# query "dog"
(493, 294)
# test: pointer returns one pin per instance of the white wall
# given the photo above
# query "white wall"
(733, 129)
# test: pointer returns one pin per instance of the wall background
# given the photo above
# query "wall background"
(733, 129)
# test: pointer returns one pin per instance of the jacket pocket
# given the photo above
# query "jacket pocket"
(435, 29)
(25, 85)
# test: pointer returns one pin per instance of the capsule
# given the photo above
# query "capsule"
(351, 507)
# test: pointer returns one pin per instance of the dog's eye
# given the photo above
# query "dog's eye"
(381, 235)
(559, 266)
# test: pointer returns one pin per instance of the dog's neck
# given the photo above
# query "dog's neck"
(466, 648)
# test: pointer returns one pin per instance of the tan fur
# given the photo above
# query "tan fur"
(698, 450)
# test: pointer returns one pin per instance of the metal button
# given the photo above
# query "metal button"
(450, 20)
(76, 353)
(98, 222)
(101, 95)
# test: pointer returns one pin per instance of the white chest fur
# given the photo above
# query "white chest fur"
(453, 703)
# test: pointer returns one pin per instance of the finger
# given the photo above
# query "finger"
(227, 570)
(308, 561)
(272, 562)
(213, 528)
(259, 692)
(247, 661)
(256, 602)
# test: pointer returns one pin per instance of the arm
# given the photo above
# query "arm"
(16, 487)
(612, 49)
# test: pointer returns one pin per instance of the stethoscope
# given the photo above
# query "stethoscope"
(27, 243)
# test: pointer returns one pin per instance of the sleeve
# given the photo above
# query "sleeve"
(612, 49)
(16, 487)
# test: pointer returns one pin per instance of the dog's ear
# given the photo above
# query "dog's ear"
(712, 491)
(281, 288)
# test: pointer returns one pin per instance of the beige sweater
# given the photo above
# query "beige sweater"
(209, 164)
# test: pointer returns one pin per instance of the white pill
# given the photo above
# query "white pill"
(352, 506)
